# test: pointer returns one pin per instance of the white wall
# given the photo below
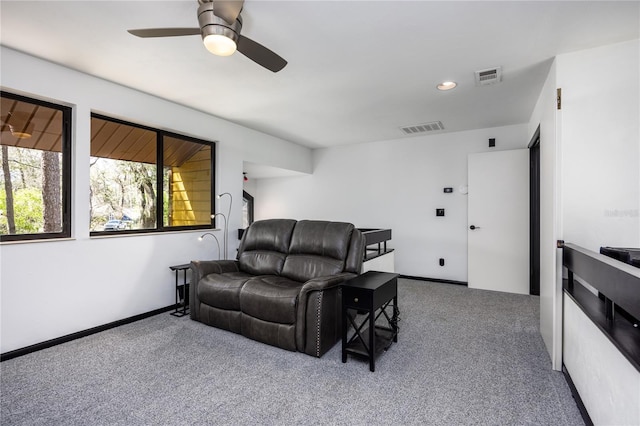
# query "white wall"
(601, 146)
(596, 163)
(544, 115)
(590, 165)
(54, 288)
(608, 384)
(250, 186)
(395, 184)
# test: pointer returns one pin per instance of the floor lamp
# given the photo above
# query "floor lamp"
(226, 222)
(224, 235)
(216, 238)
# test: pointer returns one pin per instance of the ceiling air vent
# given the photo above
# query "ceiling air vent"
(421, 128)
(488, 77)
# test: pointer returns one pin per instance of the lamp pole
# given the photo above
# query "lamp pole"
(224, 235)
(226, 219)
(214, 237)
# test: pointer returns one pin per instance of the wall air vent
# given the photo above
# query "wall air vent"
(421, 128)
(489, 76)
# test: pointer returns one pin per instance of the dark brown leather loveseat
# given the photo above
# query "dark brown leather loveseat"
(284, 286)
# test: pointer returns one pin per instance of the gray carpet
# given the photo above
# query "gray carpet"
(463, 357)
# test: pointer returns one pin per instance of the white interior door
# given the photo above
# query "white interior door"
(498, 221)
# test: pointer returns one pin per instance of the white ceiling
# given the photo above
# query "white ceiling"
(358, 70)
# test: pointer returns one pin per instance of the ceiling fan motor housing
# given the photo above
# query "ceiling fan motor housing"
(210, 24)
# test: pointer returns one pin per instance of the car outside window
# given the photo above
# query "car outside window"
(144, 179)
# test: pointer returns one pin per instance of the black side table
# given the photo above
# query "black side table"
(369, 293)
(182, 290)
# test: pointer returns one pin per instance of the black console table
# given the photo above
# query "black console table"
(370, 293)
(182, 290)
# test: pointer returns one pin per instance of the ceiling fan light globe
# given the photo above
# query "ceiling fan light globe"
(21, 135)
(220, 45)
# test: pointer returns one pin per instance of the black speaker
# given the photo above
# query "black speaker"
(626, 255)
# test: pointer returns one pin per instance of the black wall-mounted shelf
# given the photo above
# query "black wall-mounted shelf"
(375, 242)
(617, 308)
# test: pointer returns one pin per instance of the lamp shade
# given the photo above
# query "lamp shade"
(220, 45)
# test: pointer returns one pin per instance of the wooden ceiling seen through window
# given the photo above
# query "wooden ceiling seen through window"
(119, 141)
(44, 124)
(109, 139)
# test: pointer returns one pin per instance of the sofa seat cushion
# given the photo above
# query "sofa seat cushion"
(271, 298)
(223, 290)
(303, 267)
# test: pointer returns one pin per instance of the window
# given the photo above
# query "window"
(35, 180)
(144, 179)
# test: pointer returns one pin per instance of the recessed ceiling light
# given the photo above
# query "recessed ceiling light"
(447, 85)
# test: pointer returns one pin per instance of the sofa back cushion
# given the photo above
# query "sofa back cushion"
(264, 246)
(356, 252)
(318, 248)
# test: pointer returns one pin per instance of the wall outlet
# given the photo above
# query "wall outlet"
(439, 212)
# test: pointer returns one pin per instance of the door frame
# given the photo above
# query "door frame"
(534, 213)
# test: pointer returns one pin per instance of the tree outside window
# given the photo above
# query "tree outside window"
(35, 176)
(133, 189)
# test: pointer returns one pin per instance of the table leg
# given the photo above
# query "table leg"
(395, 318)
(372, 341)
(182, 303)
(344, 333)
(184, 292)
(177, 291)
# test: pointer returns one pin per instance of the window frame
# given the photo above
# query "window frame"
(66, 166)
(160, 135)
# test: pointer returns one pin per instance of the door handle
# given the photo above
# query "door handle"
(473, 227)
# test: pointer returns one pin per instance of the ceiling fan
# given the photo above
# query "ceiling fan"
(20, 124)
(220, 25)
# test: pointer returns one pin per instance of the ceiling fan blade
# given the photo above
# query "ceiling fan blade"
(227, 9)
(164, 32)
(260, 54)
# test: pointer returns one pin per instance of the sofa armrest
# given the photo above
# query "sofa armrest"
(199, 270)
(206, 267)
(327, 282)
(320, 284)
